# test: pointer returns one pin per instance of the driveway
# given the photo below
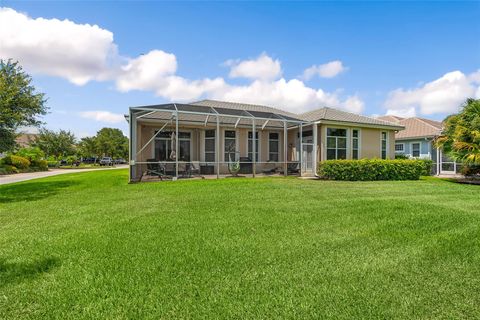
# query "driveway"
(11, 178)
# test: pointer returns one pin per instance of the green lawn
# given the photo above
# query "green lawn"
(89, 245)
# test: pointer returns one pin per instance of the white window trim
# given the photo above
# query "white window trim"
(268, 145)
(158, 138)
(419, 149)
(259, 144)
(202, 137)
(387, 136)
(222, 136)
(403, 147)
(359, 143)
(348, 142)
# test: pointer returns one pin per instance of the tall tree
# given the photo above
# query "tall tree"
(57, 144)
(111, 142)
(20, 104)
(461, 136)
(87, 147)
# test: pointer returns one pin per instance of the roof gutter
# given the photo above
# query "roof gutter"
(359, 124)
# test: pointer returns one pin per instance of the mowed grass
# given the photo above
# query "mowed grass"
(89, 245)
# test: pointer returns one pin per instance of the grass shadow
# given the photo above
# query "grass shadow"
(32, 191)
(20, 271)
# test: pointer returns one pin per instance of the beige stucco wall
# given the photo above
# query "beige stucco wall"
(370, 142)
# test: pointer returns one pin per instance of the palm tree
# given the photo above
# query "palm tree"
(461, 135)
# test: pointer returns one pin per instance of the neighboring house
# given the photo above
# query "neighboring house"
(25, 139)
(416, 141)
(212, 133)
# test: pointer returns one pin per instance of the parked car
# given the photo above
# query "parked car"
(120, 161)
(106, 161)
(89, 160)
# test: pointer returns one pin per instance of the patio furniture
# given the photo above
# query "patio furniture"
(154, 169)
(207, 169)
(245, 165)
(194, 169)
(233, 165)
(292, 167)
(270, 168)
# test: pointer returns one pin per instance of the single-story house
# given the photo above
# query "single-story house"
(217, 137)
(417, 141)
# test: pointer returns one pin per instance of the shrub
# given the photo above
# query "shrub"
(3, 171)
(10, 169)
(31, 153)
(401, 156)
(71, 160)
(16, 161)
(428, 166)
(371, 169)
(52, 163)
(39, 165)
(471, 170)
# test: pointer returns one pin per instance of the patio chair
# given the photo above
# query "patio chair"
(293, 167)
(154, 169)
(183, 170)
(194, 169)
(269, 168)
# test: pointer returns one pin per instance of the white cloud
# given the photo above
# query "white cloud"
(443, 95)
(263, 67)
(103, 116)
(327, 70)
(402, 112)
(77, 52)
(155, 71)
(83, 52)
(144, 72)
(292, 95)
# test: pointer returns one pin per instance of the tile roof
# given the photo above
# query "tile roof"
(417, 127)
(325, 113)
(343, 116)
(242, 106)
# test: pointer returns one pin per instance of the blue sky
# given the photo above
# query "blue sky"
(405, 58)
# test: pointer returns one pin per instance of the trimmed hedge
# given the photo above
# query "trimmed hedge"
(372, 169)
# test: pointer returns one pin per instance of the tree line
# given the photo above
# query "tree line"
(21, 105)
(108, 142)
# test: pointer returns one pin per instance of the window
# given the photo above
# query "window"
(415, 150)
(229, 144)
(399, 147)
(384, 145)
(209, 145)
(164, 147)
(336, 144)
(250, 145)
(273, 142)
(307, 136)
(355, 143)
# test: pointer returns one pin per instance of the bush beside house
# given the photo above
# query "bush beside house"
(25, 160)
(374, 169)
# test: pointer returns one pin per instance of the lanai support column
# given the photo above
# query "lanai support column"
(300, 156)
(177, 151)
(285, 151)
(217, 156)
(438, 161)
(133, 145)
(314, 155)
(254, 146)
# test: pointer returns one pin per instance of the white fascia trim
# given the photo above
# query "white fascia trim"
(358, 125)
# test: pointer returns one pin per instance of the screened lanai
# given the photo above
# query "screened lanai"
(172, 141)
